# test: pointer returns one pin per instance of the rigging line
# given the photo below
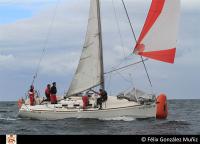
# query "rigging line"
(45, 43)
(109, 84)
(118, 27)
(136, 42)
(125, 79)
(120, 62)
(129, 20)
(131, 79)
(121, 38)
(114, 70)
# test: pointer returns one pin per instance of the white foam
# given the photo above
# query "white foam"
(8, 119)
(180, 120)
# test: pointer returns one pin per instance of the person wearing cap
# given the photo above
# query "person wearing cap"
(53, 92)
(31, 94)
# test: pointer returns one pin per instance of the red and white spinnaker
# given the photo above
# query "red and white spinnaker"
(159, 34)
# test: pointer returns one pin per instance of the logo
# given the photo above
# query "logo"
(143, 139)
(11, 139)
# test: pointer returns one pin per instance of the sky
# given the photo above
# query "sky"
(59, 26)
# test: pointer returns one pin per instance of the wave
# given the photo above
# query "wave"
(121, 118)
(8, 119)
(5, 111)
(180, 120)
(176, 123)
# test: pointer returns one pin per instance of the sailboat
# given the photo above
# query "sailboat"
(157, 41)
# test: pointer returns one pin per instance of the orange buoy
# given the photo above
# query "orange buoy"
(162, 109)
(20, 102)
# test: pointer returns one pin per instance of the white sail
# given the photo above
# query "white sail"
(89, 72)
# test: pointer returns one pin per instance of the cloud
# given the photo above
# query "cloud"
(190, 4)
(60, 37)
(22, 42)
(190, 58)
(60, 64)
(63, 38)
(25, 2)
(5, 60)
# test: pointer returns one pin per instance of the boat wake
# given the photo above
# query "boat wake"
(3, 110)
(121, 118)
(8, 118)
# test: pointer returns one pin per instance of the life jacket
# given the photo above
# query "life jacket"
(47, 92)
(31, 96)
(85, 101)
(53, 98)
(20, 102)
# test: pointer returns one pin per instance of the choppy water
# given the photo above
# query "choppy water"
(184, 118)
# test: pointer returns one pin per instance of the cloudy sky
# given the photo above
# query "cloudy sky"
(59, 26)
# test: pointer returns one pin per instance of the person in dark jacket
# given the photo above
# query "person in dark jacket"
(53, 92)
(103, 97)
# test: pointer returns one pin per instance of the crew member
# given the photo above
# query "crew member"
(31, 95)
(53, 92)
(85, 100)
(103, 97)
(47, 92)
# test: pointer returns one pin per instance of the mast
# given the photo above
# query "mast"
(90, 70)
(102, 84)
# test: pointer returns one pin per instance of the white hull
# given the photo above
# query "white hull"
(50, 112)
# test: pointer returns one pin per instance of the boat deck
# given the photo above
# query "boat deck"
(76, 103)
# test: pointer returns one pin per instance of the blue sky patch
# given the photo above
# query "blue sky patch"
(9, 14)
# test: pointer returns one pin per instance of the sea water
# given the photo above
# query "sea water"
(183, 119)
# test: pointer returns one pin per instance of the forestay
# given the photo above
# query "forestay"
(159, 35)
(89, 72)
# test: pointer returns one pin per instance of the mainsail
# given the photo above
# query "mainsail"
(158, 37)
(90, 72)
